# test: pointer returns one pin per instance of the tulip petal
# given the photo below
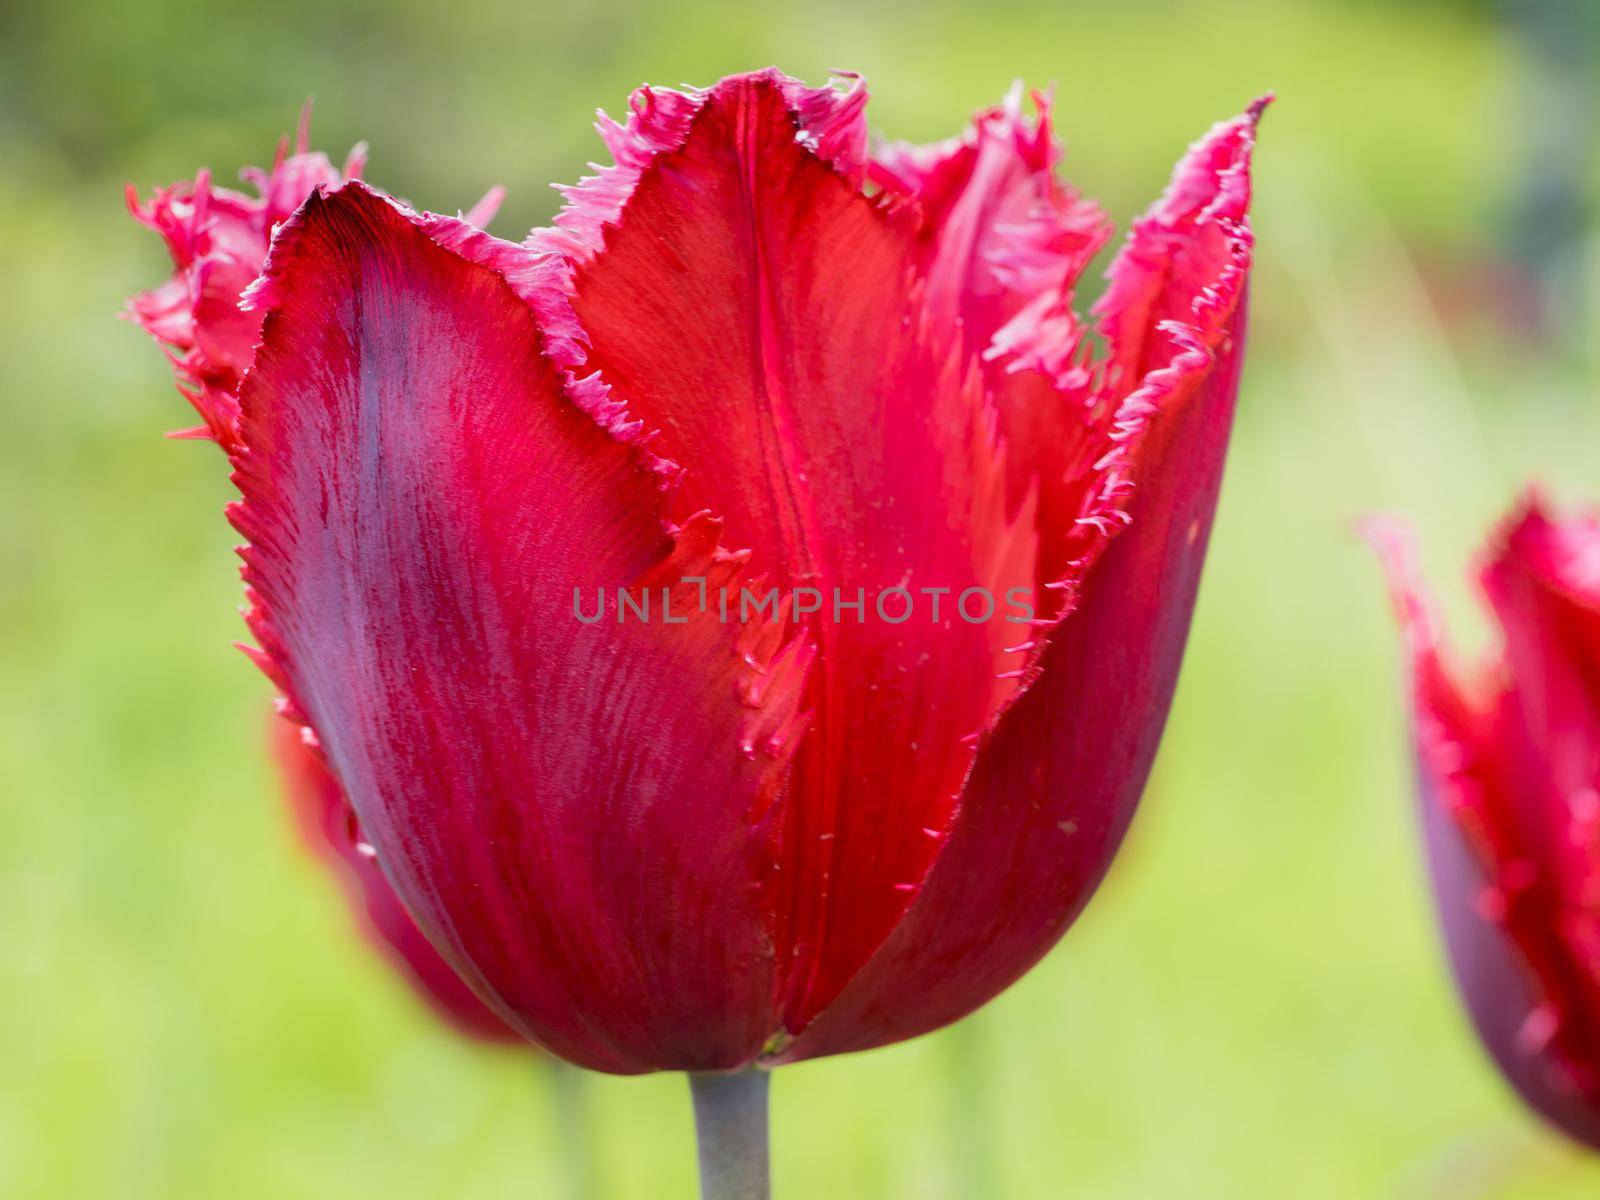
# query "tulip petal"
(832, 123)
(331, 833)
(1545, 588)
(1060, 771)
(1509, 877)
(218, 241)
(1538, 833)
(999, 229)
(1002, 244)
(757, 311)
(564, 806)
(1513, 1021)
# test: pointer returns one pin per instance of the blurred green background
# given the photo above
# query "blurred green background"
(1254, 1006)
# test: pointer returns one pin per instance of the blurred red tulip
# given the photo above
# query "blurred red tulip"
(1508, 760)
(333, 835)
(668, 839)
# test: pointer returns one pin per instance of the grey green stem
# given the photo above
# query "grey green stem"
(569, 1089)
(971, 1136)
(730, 1120)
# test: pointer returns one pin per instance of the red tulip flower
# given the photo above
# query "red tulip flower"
(1508, 760)
(742, 615)
(331, 833)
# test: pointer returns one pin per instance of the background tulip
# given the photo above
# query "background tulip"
(331, 833)
(1508, 761)
(697, 844)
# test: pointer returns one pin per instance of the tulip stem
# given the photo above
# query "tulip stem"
(971, 1135)
(570, 1096)
(730, 1120)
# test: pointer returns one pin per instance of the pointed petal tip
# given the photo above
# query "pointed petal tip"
(195, 433)
(483, 212)
(1394, 542)
(302, 134)
(1390, 537)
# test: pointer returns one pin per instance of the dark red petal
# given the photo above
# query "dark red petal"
(1520, 940)
(332, 834)
(757, 311)
(564, 806)
(1544, 585)
(1056, 782)
(1511, 1016)
(1545, 815)
(1058, 776)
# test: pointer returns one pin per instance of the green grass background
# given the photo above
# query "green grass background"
(1255, 1005)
